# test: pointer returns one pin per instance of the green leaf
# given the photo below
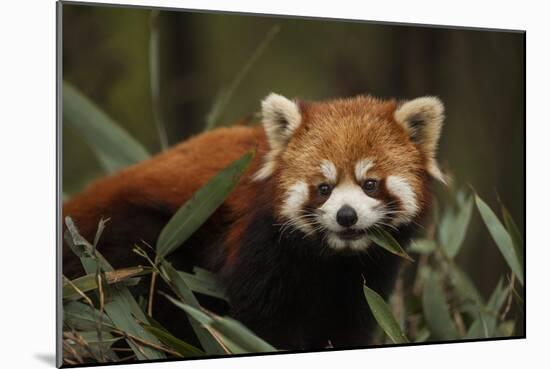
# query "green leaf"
(236, 332)
(436, 310)
(497, 298)
(92, 337)
(84, 284)
(464, 285)
(453, 226)
(89, 282)
(89, 322)
(181, 347)
(224, 98)
(205, 282)
(205, 320)
(514, 232)
(423, 335)
(423, 246)
(120, 305)
(99, 347)
(113, 146)
(479, 328)
(234, 336)
(385, 240)
(155, 76)
(485, 326)
(501, 237)
(384, 316)
(507, 328)
(201, 206)
(83, 317)
(178, 285)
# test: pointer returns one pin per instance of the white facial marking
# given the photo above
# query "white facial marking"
(367, 214)
(352, 195)
(296, 197)
(336, 242)
(400, 188)
(328, 169)
(361, 168)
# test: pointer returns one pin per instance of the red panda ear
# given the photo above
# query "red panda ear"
(423, 118)
(281, 117)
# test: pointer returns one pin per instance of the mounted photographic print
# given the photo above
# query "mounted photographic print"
(239, 184)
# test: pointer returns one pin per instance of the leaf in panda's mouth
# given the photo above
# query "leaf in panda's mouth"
(385, 240)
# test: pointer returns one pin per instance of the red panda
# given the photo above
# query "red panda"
(290, 243)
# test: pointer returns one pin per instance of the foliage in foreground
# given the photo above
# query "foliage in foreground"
(442, 303)
(104, 321)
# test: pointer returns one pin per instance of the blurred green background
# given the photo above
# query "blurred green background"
(478, 74)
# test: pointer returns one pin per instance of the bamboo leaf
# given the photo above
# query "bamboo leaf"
(201, 206)
(501, 237)
(385, 240)
(464, 285)
(423, 246)
(453, 226)
(422, 336)
(507, 328)
(120, 305)
(89, 282)
(497, 299)
(204, 282)
(99, 347)
(178, 285)
(236, 332)
(181, 347)
(232, 333)
(92, 338)
(436, 310)
(514, 232)
(155, 76)
(84, 318)
(383, 315)
(479, 328)
(485, 326)
(113, 146)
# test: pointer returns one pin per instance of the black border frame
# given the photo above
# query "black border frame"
(59, 171)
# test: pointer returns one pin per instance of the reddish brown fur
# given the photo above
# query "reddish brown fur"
(160, 185)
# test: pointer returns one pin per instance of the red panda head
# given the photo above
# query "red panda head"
(343, 167)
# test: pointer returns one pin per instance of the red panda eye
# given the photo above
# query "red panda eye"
(370, 186)
(324, 189)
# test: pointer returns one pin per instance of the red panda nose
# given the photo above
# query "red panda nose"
(346, 216)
